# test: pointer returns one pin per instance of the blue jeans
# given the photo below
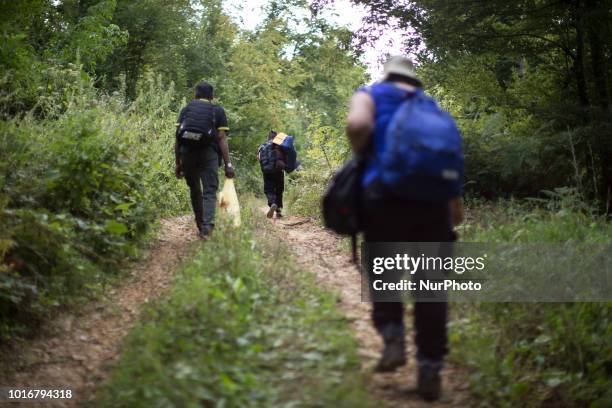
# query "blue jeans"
(201, 170)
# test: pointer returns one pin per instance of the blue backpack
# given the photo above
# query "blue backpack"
(423, 157)
(290, 154)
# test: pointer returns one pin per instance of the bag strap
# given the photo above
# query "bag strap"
(212, 106)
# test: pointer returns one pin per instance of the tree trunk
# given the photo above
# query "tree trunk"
(596, 18)
(578, 17)
(598, 61)
(134, 63)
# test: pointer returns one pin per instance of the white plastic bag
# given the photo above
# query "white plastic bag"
(228, 202)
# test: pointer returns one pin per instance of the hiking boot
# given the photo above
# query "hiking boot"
(270, 213)
(278, 213)
(429, 383)
(205, 232)
(393, 356)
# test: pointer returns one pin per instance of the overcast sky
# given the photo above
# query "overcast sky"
(250, 13)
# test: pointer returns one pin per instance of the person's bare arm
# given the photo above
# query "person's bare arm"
(178, 171)
(360, 121)
(177, 160)
(456, 208)
(224, 147)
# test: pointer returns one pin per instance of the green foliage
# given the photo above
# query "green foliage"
(77, 193)
(327, 150)
(520, 138)
(529, 82)
(89, 96)
(41, 38)
(20, 74)
(303, 93)
(241, 327)
(92, 37)
(562, 217)
(536, 354)
(158, 36)
(330, 76)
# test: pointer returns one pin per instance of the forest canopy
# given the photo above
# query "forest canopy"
(529, 82)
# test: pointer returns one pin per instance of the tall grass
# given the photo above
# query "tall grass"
(241, 327)
(537, 354)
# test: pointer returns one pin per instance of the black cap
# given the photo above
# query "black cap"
(204, 90)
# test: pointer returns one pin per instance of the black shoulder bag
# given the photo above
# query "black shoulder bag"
(341, 201)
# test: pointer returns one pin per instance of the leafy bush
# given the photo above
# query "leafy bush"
(78, 191)
(327, 149)
(522, 133)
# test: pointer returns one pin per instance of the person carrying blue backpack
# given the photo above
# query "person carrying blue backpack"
(411, 188)
(276, 157)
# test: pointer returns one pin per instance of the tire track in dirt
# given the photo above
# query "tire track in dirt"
(76, 349)
(321, 252)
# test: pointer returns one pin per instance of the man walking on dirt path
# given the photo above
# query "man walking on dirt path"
(201, 142)
(272, 162)
(386, 217)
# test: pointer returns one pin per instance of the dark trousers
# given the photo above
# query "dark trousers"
(201, 170)
(274, 185)
(390, 219)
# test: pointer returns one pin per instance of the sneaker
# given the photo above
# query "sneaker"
(271, 211)
(429, 383)
(393, 356)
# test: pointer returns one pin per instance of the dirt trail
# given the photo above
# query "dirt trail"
(322, 253)
(75, 349)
